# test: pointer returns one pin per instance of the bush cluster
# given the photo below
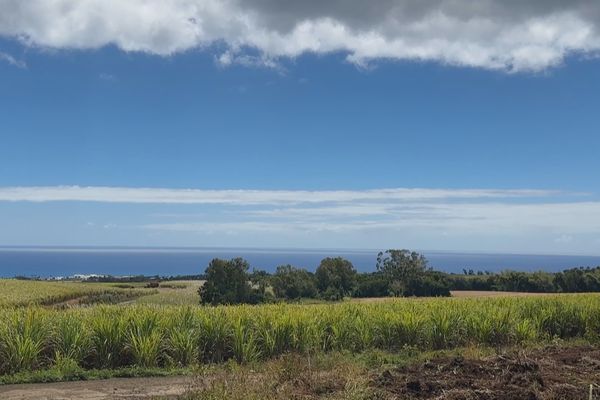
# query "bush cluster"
(574, 280)
(399, 273)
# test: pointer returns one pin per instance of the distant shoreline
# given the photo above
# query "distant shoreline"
(168, 261)
(316, 250)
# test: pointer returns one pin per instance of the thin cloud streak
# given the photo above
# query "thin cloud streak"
(472, 218)
(12, 60)
(250, 197)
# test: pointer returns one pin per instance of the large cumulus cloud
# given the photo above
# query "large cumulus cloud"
(512, 35)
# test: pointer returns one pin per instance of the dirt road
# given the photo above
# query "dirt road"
(120, 388)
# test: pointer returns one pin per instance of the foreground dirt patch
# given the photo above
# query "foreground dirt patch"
(551, 373)
(119, 388)
(548, 374)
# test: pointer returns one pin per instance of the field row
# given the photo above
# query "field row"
(150, 336)
(17, 293)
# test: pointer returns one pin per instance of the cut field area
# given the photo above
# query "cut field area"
(19, 293)
(460, 294)
(186, 293)
(484, 293)
(174, 293)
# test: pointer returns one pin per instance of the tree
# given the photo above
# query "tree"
(430, 284)
(226, 282)
(409, 275)
(261, 291)
(518, 281)
(336, 278)
(400, 264)
(259, 279)
(293, 283)
(578, 280)
(373, 284)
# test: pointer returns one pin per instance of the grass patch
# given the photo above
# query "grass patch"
(69, 373)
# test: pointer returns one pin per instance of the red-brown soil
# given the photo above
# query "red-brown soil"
(553, 373)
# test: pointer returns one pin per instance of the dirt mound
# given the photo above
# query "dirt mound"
(550, 374)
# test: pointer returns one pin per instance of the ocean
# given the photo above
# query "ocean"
(49, 262)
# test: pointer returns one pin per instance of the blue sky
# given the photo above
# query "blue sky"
(110, 139)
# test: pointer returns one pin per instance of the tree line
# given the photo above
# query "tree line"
(573, 280)
(400, 273)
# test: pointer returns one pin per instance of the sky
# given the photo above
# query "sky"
(430, 124)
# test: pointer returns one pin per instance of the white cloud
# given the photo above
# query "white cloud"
(528, 35)
(343, 210)
(467, 219)
(564, 239)
(107, 77)
(12, 61)
(249, 197)
(482, 219)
